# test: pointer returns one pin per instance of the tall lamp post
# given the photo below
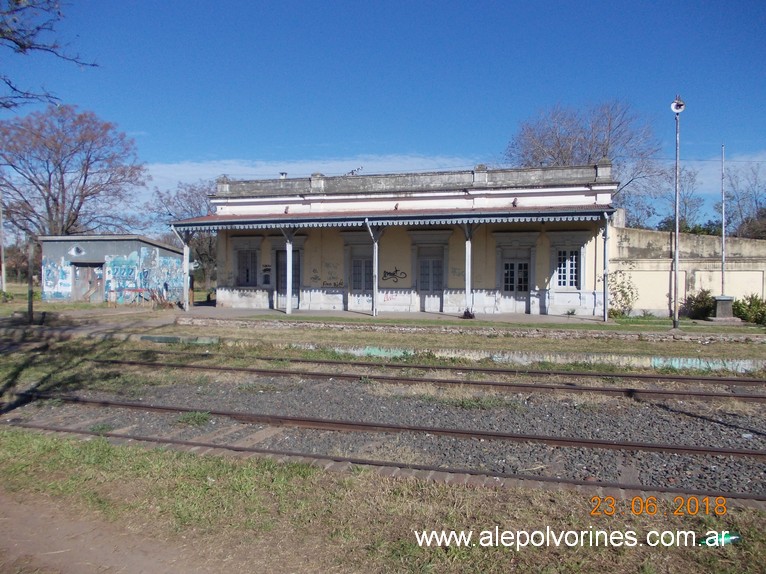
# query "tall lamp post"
(3, 287)
(677, 107)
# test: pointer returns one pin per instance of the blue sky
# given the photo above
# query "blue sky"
(254, 88)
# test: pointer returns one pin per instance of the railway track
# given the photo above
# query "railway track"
(728, 459)
(357, 426)
(633, 392)
(96, 407)
(661, 377)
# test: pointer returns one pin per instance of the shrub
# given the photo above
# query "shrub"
(751, 309)
(623, 294)
(698, 306)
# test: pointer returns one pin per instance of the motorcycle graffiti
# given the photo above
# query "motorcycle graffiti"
(394, 275)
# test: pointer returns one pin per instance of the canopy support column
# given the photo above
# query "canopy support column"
(468, 230)
(375, 234)
(289, 236)
(185, 237)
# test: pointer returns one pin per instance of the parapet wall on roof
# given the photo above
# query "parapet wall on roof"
(418, 182)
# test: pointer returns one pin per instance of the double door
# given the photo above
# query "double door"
(516, 285)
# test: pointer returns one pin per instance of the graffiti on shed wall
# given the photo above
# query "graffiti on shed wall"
(130, 277)
(57, 279)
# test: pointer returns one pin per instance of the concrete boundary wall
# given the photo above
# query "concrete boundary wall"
(645, 258)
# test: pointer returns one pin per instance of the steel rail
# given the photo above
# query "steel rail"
(532, 387)
(705, 379)
(360, 426)
(389, 464)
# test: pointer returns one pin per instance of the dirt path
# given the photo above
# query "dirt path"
(37, 536)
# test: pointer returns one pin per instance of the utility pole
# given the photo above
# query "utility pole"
(677, 107)
(723, 223)
(30, 283)
(3, 286)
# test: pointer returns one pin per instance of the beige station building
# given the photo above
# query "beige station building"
(535, 241)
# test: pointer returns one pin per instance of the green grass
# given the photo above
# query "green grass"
(328, 343)
(194, 419)
(101, 428)
(627, 324)
(356, 522)
(481, 403)
(348, 522)
(67, 367)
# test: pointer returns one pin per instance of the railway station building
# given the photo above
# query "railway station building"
(483, 240)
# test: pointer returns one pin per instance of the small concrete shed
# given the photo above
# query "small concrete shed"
(121, 269)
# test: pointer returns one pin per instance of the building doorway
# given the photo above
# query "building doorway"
(88, 282)
(516, 285)
(431, 284)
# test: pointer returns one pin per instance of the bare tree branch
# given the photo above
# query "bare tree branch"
(27, 27)
(63, 172)
(186, 201)
(746, 201)
(565, 136)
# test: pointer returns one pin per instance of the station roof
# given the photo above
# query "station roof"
(394, 218)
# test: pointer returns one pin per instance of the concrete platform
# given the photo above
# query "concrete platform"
(508, 318)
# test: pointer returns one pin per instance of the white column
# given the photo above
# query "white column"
(289, 283)
(375, 236)
(468, 297)
(186, 276)
(375, 278)
(184, 238)
(468, 229)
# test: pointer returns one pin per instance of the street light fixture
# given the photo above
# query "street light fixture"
(677, 107)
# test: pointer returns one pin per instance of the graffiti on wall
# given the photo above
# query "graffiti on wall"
(395, 275)
(57, 279)
(129, 278)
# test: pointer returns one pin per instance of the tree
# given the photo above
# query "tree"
(16, 260)
(565, 136)
(753, 227)
(746, 201)
(186, 201)
(26, 26)
(689, 202)
(711, 227)
(63, 172)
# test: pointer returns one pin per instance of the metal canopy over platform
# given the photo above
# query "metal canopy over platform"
(446, 217)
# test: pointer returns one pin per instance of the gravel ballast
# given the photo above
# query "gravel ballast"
(730, 425)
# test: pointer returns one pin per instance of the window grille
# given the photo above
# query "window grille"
(568, 268)
(361, 275)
